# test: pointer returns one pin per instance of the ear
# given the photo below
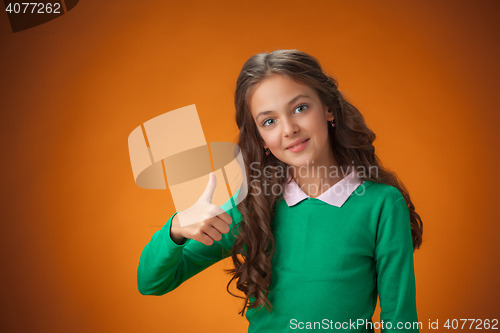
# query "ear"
(262, 143)
(329, 115)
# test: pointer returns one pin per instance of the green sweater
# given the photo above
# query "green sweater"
(329, 266)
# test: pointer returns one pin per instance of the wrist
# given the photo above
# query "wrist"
(174, 235)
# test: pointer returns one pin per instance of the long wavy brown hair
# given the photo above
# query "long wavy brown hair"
(351, 142)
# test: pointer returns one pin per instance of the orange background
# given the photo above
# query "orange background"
(425, 75)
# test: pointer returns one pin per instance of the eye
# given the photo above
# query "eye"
(267, 122)
(302, 106)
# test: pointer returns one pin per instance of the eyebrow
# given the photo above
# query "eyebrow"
(263, 113)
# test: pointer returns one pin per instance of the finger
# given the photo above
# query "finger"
(205, 239)
(225, 217)
(213, 233)
(210, 189)
(220, 225)
(202, 237)
(217, 211)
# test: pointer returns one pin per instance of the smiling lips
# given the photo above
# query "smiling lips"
(297, 143)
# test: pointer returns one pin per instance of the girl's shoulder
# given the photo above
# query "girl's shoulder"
(380, 191)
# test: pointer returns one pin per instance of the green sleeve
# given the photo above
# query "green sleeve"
(395, 270)
(164, 265)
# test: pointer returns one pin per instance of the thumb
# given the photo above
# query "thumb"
(210, 189)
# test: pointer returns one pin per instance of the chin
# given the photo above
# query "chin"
(299, 162)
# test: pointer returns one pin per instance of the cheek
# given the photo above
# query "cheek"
(274, 143)
(263, 135)
(271, 139)
(314, 125)
(321, 133)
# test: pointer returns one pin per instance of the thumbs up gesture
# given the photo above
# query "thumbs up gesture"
(204, 221)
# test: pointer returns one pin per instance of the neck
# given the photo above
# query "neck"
(318, 176)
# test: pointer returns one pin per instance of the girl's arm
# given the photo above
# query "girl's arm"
(164, 265)
(395, 271)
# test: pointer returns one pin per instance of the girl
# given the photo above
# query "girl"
(324, 228)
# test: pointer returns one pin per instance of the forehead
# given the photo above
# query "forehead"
(275, 92)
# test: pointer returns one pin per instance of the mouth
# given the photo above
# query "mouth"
(298, 144)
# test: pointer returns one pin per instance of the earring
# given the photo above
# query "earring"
(333, 125)
(267, 151)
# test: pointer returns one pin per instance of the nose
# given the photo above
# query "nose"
(290, 126)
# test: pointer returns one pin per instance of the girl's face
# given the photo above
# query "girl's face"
(287, 113)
